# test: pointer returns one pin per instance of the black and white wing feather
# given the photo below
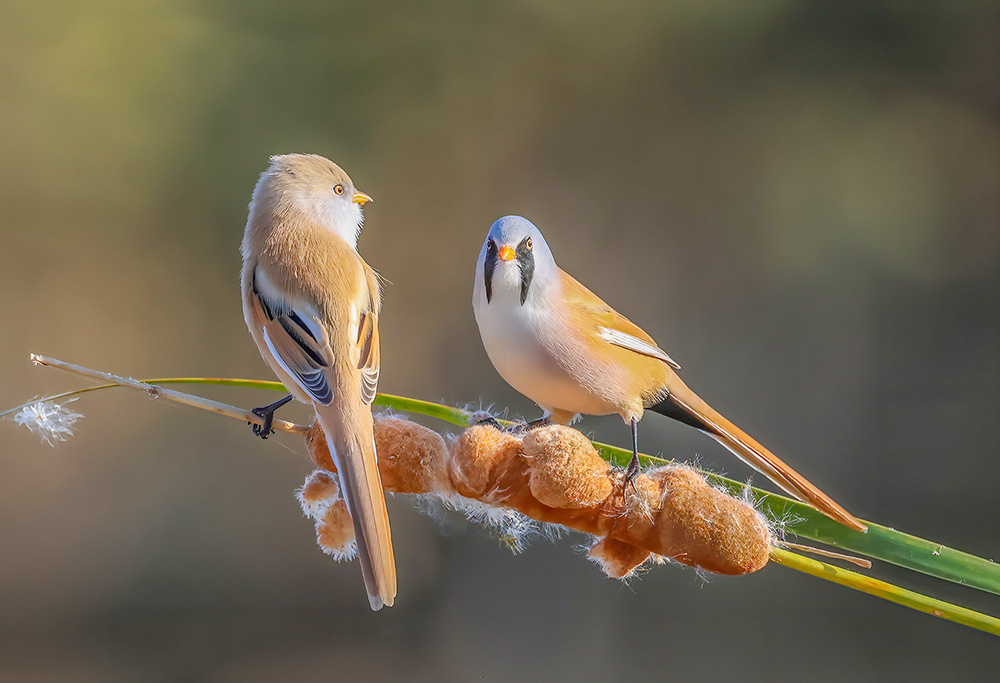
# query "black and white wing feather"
(299, 343)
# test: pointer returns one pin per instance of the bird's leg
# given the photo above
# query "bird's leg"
(267, 412)
(633, 469)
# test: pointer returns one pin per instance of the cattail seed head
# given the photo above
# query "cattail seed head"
(552, 475)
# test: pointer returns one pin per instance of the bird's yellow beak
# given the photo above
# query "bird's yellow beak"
(506, 253)
(360, 198)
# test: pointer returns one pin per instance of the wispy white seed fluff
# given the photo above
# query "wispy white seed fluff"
(346, 553)
(514, 529)
(49, 420)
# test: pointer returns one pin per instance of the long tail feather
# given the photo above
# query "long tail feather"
(353, 452)
(684, 405)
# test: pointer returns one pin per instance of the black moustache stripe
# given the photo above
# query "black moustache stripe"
(526, 260)
(488, 267)
(525, 263)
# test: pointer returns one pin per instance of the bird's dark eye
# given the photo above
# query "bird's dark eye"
(491, 245)
(339, 189)
(527, 244)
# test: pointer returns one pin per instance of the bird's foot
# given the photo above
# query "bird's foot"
(267, 414)
(482, 417)
(263, 430)
(631, 472)
(517, 428)
(522, 428)
(534, 424)
(477, 419)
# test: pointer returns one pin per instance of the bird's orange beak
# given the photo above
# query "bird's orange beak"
(360, 198)
(506, 253)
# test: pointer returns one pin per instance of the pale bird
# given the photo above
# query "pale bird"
(312, 305)
(556, 342)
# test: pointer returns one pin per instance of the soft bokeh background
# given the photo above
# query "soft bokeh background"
(800, 202)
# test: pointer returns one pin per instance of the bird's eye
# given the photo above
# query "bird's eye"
(527, 244)
(491, 245)
(339, 189)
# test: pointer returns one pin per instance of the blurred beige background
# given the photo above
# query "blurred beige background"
(799, 202)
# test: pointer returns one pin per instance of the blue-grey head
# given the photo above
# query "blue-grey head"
(515, 260)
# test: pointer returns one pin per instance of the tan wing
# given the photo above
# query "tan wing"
(370, 356)
(298, 341)
(607, 324)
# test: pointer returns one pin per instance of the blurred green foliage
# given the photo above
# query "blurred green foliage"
(799, 201)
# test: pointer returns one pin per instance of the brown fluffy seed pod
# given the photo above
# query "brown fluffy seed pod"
(724, 533)
(554, 474)
(483, 454)
(335, 531)
(564, 469)
(321, 501)
(617, 558)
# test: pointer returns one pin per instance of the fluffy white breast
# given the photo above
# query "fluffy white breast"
(523, 342)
